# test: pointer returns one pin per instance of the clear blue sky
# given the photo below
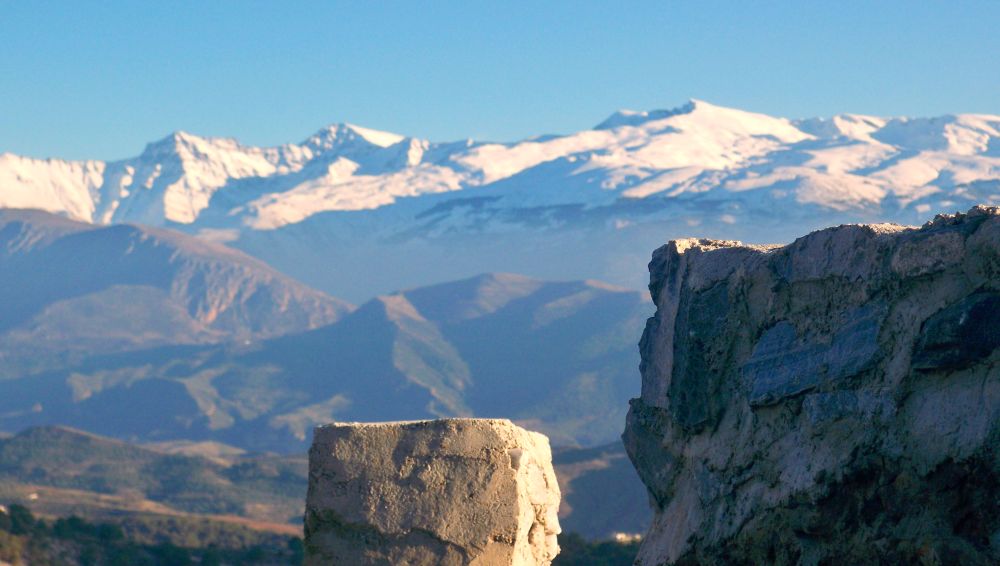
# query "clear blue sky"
(100, 79)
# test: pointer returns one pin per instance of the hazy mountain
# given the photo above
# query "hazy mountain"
(601, 492)
(73, 289)
(356, 212)
(558, 357)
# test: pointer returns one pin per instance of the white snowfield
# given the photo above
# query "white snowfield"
(847, 163)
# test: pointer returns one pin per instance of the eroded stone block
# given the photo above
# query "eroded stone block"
(449, 491)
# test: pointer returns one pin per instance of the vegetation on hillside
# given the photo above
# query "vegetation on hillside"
(264, 488)
(122, 503)
(25, 539)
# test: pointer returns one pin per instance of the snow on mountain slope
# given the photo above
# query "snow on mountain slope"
(843, 163)
(348, 192)
(175, 178)
(69, 187)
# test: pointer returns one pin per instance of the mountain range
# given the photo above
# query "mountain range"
(74, 289)
(357, 212)
(150, 334)
(192, 294)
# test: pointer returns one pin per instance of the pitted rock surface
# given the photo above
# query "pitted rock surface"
(449, 491)
(832, 401)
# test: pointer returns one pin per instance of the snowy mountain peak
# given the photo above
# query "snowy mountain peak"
(336, 136)
(180, 142)
(377, 137)
(705, 120)
(697, 152)
(627, 117)
(711, 120)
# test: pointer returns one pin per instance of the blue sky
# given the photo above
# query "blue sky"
(100, 79)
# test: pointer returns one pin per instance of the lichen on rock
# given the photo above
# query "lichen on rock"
(447, 491)
(832, 401)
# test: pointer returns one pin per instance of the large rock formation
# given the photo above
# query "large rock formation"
(450, 491)
(832, 401)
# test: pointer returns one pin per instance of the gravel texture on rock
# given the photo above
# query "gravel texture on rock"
(449, 491)
(832, 401)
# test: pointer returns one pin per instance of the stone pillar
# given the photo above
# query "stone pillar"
(450, 491)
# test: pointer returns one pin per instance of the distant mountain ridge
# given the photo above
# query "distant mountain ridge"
(74, 289)
(557, 356)
(322, 210)
(347, 167)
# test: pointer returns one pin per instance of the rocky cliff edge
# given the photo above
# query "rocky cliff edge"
(835, 400)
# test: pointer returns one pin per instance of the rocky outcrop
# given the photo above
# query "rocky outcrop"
(450, 491)
(832, 401)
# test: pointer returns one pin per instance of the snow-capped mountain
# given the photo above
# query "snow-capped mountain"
(358, 211)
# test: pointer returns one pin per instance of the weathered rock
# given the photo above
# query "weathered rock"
(450, 491)
(832, 401)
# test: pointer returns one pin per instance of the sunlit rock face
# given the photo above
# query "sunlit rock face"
(832, 401)
(450, 491)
